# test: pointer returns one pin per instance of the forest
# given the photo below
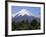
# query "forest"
(25, 25)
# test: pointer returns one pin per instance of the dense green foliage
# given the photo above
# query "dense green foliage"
(25, 25)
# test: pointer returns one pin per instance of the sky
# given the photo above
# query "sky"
(34, 10)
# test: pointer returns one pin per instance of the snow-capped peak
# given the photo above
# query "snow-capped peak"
(23, 12)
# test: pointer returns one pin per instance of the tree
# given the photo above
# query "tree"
(34, 22)
(13, 25)
(38, 25)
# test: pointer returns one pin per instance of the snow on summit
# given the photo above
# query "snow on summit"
(23, 12)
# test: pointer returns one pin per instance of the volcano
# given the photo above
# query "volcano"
(24, 14)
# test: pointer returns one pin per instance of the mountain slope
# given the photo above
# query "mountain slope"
(24, 14)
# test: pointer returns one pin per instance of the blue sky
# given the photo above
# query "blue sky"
(34, 10)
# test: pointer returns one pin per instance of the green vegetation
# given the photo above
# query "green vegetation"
(25, 25)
